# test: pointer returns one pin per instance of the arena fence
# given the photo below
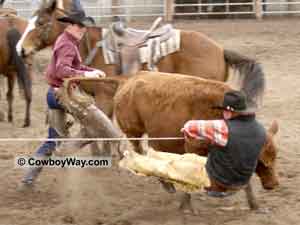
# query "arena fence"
(170, 9)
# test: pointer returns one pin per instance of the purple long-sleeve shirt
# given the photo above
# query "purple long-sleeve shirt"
(66, 60)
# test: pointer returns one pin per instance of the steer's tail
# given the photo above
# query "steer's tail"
(251, 76)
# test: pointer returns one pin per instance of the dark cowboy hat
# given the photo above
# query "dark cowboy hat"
(235, 101)
(79, 18)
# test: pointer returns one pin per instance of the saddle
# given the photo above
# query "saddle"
(130, 48)
(135, 37)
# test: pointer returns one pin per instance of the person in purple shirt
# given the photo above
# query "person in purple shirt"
(66, 62)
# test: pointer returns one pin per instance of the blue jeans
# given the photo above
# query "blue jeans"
(48, 147)
(52, 101)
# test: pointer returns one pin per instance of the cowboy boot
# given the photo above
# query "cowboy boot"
(43, 153)
(31, 175)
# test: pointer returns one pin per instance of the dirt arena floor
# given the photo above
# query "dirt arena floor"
(108, 196)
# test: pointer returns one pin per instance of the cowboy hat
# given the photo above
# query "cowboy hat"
(235, 101)
(79, 18)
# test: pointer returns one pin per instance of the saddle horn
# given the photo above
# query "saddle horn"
(154, 26)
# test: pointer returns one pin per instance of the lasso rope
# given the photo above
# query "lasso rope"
(88, 139)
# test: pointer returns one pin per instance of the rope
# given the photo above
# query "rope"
(88, 139)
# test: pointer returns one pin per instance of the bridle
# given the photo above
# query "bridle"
(46, 28)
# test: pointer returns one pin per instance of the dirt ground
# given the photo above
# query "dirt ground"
(110, 196)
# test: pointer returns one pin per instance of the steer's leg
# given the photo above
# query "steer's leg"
(137, 144)
(104, 150)
(251, 197)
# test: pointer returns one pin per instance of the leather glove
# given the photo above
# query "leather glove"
(94, 74)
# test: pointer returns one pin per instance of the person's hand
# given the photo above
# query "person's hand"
(94, 74)
(186, 134)
(100, 73)
(91, 74)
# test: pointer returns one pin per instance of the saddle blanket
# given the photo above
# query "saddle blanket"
(187, 172)
(147, 52)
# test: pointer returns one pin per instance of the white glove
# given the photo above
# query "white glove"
(101, 73)
(94, 74)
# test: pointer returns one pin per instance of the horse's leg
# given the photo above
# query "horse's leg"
(2, 87)
(28, 98)
(252, 202)
(2, 116)
(9, 95)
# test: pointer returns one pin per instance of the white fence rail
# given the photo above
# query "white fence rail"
(169, 9)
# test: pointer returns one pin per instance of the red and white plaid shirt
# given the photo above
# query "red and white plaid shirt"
(215, 131)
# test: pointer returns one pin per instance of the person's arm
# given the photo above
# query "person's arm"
(86, 68)
(65, 56)
(214, 131)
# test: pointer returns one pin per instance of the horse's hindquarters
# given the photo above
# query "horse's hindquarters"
(199, 56)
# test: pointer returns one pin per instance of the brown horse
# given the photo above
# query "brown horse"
(11, 64)
(198, 56)
(159, 104)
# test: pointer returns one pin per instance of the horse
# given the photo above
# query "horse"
(12, 65)
(198, 55)
(159, 104)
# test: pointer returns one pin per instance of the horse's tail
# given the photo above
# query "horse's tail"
(24, 80)
(252, 77)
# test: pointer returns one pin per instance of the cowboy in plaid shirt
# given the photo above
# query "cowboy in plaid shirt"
(213, 131)
(235, 144)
